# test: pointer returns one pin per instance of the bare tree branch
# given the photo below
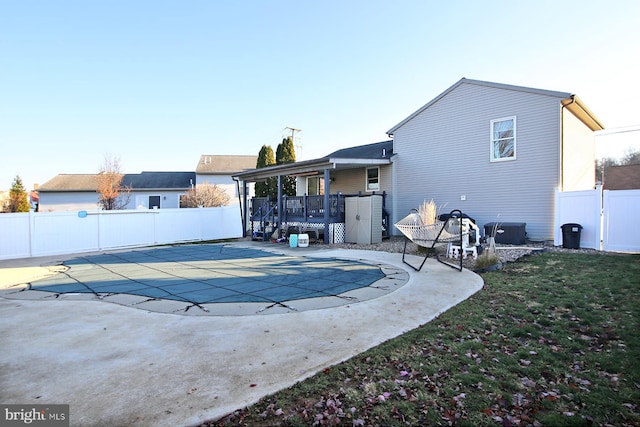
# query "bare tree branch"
(113, 195)
(206, 195)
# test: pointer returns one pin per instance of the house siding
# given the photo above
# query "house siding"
(578, 154)
(78, 201)
(443, 153)
(67, 201)
(168, 199)
(353, 181)
(226, 183)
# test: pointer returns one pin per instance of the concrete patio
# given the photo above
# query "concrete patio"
(121, 363)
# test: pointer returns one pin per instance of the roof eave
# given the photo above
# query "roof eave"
(464, 80)
(391, 131)
(341, 161)
(71, 190)
(582, 112)
(306, 167)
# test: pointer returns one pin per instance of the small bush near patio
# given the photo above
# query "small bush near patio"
(551, 340)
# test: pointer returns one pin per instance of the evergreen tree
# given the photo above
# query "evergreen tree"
(18, 198)
(268, 188)
(285, 153)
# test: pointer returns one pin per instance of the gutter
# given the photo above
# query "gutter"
(582, 112)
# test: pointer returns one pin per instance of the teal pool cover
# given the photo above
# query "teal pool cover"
(211, 273)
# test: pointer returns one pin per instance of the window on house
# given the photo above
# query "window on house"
(503, 139)
(373, 179)
(315, 186)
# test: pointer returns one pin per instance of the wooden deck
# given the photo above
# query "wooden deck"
(303, 210)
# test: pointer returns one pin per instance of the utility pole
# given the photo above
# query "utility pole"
(298, 147)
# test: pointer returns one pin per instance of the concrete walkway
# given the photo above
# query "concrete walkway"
(120, 365)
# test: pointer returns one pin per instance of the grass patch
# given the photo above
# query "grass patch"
(550, 340)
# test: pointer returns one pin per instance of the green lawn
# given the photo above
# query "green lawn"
(553, 339)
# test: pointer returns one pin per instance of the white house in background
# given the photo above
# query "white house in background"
(218, 170)
(75, 192)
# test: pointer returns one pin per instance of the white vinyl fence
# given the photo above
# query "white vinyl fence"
(33, 234)
(608, 218)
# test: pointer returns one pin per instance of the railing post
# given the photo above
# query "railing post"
(279, 204)
(305, 207)
(326, 205)
(284, 209)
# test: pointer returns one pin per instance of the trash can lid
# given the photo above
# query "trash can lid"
(571, 225)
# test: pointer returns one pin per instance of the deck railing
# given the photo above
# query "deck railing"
(299, 208)
(305, 209)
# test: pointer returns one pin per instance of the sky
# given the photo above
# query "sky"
(158, 83)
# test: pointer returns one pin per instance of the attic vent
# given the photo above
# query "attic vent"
(384, 152)
(207, 160)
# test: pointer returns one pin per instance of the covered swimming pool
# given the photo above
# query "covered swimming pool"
(210, 277)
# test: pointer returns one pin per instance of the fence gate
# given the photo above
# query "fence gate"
(607, 218)
(621, 231)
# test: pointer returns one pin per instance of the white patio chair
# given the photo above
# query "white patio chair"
(431, 235)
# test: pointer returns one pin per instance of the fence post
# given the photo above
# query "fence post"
(600, 234)
(32, 234)
(556, 218)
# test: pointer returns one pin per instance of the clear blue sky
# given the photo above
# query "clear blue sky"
(158, 83)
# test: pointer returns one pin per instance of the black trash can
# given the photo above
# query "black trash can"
(571, 236)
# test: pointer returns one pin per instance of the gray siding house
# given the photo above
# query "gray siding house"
(496, 152)
(75, 192)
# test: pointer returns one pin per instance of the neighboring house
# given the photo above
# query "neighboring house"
(626, 177)
(158, 189)
(71, 192)
(34, 199)
(218, 170)
(497, 152)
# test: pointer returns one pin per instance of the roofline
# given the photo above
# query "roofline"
(75, 190)
(363, 161)
(582, 112)
(286, 169)
(562, 95)
(94, 190)
(228, 173)
(305, 167)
